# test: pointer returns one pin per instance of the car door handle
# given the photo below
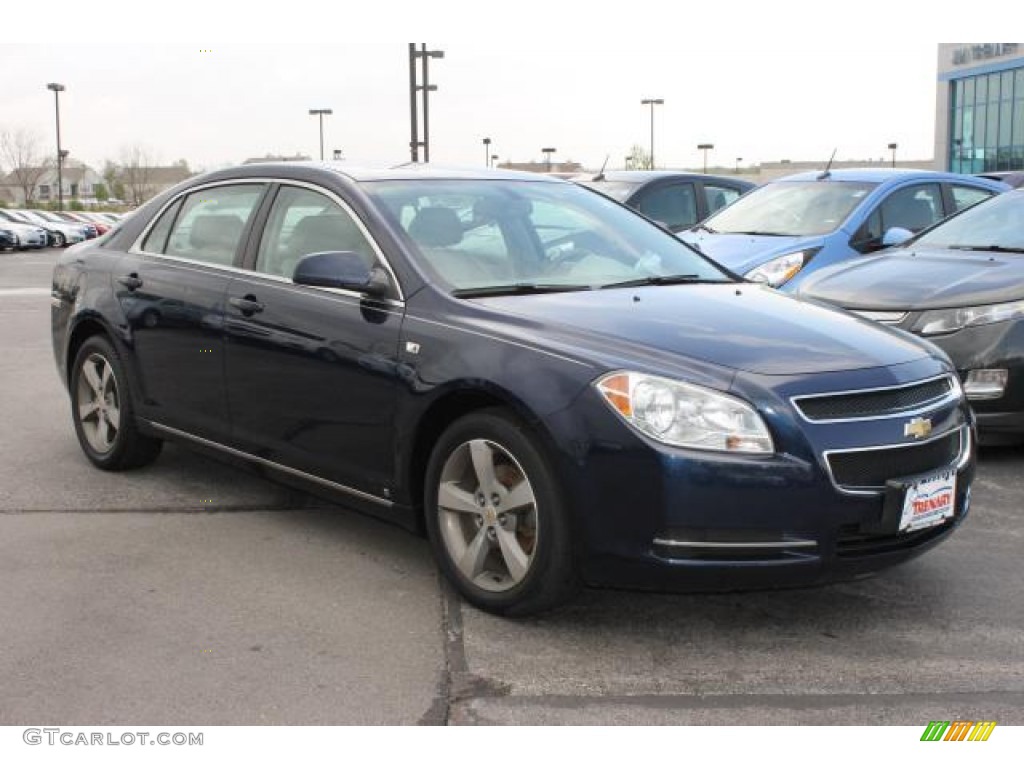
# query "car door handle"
(131, 282)
(248, 305)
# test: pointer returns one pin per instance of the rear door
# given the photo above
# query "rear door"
(172, 289)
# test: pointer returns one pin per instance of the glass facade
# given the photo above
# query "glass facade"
(987, 122)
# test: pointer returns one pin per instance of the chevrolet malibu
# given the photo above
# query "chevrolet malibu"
(555, 389)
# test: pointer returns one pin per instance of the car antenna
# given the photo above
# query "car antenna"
(827, 172)
(600, 174)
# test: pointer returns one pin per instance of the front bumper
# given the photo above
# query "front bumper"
(654, 517)
(996, 345)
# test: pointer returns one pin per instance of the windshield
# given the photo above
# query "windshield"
(791, 208)
(619, 190)
(480, 234)
(997, 223)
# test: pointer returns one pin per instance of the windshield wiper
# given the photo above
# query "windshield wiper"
(706, 228)
(516, 289)
(993, 248)
(759, 232)
(661, 280)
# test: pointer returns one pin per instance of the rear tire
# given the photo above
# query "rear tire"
(495, 516)
(103, 412)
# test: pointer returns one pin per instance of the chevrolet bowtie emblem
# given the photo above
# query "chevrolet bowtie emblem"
(917, 428)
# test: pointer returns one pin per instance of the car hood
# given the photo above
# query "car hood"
(742, 253)
(920, 278)
(741, 326)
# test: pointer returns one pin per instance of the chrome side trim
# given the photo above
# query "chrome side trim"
(136, 247)
(795, 543)
(271, 464)
(874, 490)
(949, 397)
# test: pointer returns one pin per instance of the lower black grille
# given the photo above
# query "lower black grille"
(877, 403)
(872, 469)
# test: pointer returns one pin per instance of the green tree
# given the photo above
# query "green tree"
(101, 193)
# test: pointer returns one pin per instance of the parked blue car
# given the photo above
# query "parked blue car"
(787, 229)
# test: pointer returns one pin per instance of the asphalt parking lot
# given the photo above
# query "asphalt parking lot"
(193, 593)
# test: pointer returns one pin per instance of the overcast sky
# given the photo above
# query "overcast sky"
(761, 86)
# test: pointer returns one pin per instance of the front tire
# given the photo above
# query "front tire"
(495, 516)
(102, 409)
(59, 241)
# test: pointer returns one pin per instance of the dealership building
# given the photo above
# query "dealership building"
(979, 114)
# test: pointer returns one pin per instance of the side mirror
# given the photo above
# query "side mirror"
(895, 236)
(340, 269)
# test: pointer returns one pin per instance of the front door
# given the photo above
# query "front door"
(312, 373)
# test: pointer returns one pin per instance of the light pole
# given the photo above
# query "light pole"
(652, 102)
(704, 148)
(321, 113)
(494, 161)
(487, 153)
(548, 152)
(425, 87)
(57, 88)
(338, 154)
(893, 146)
(738, 161)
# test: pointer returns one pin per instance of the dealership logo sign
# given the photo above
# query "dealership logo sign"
(958, 730)
(982, 51)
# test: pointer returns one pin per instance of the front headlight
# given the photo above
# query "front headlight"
(782, 268)
(936, 321)
(685, 415)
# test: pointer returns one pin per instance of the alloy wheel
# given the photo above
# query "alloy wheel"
(99, 404)
(487, 513)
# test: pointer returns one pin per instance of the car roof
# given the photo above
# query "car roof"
(404, 171)
(642, 176)
(879, 175)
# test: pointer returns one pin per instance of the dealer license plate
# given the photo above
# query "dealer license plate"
(928, 502)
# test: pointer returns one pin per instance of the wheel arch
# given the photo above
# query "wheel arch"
(446, 409)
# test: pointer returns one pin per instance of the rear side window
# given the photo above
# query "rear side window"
(964, 197)
(719, 197)
(674, 205)
(912, 208)
(210, 223)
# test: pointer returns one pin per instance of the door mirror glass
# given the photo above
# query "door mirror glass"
(340, 269)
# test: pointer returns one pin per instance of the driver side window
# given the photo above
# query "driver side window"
(303, 222)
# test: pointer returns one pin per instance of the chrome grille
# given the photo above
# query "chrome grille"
(874, 403)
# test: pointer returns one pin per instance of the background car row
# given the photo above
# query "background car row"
(22, 229)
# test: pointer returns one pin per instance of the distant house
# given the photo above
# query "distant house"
(77, 179)
(143, 182)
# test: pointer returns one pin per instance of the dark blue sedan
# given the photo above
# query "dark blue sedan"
(556, 390)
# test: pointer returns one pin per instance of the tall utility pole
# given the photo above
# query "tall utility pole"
(57, 88)
(893, 147)
(425, 88)
(704, 148)
(652, 102)
(487, 153)
(321, 113)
